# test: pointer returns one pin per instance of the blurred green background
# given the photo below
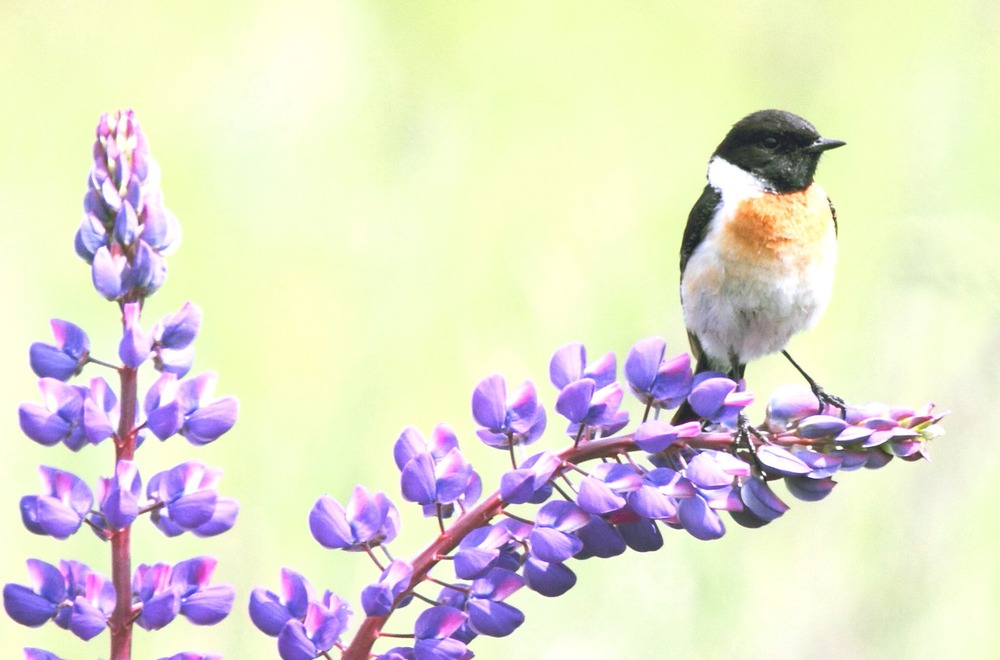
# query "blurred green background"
(384, 202)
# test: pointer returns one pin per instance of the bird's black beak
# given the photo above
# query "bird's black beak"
(822, 144)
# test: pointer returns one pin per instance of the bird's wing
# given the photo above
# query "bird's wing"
(698, 222)
(833, 214)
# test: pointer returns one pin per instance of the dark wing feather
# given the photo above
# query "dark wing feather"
(833, 213)
(698, 222)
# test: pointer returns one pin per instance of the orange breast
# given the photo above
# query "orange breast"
(779, 226)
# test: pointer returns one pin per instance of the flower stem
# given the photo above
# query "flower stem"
(491, 507)
(121, 618)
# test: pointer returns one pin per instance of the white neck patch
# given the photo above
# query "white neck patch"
(733, 182)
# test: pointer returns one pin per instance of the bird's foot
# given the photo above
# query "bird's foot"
(827, 400)
(744, 429)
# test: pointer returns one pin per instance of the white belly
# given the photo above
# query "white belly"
(739, 314)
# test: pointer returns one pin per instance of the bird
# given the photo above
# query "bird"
(759, 249)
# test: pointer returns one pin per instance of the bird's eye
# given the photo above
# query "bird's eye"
(769, 142)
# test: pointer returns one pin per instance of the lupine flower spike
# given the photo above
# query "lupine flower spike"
(125, 234)
(658, 477)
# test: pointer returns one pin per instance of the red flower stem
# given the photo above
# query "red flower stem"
(121, 618)
(371, 628)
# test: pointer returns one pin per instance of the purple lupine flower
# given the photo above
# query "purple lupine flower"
(270, 611)
(189, 493)
(397, 653)
(39, 654)
(377, 599)
(93, 601)
(811, 490)
(780, 460)
(135, 344)
(435, 474)
(600, 538)
(433, 632)
(61, 508)
(586, 406)
(552, 539)
(123, 208)
(667, 483)
(789, 404)
(696, 516)
(165, 591)
(75, 597)
(202, 603)
(322, 627)
(59, 418)
(188, 655)
(589, 395)
(173, 340)
(713, 474)
(119, 495)
(602, 491)
(656, 435)
(569, 364)
(66, 358)
(550, 579)
(100, 411)
(302, 623)
(479, 550)
(187, 408)
(531, 481)
(366, 521)
(517, 419)
(759, 501)
(717, 398)
(152, 589)
(655, 381)
(488, 614)
(38, 603)
(458, 597)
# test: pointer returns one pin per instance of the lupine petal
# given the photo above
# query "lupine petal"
(574, 400)
(551, 545)
(27, 607)
(41, 425)
(596, 497)
(328, 524)
(438, 621)
(222, 520)
(699, 520)
(641, 535)
(294, 644)
(489, 407)
(566, 365)
(208, 605)
(179, 329)
(492, 618)
(417, 479)
(86, 621)
(209, 422)
(159, 610)
(548, 579)
(267, 612)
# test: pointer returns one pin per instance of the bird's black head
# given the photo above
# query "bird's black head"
(777, 147)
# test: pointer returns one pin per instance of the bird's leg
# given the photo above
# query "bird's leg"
(744, 429)
(822, 396)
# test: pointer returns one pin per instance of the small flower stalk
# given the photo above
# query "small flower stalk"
(602, 493)
(125, 236)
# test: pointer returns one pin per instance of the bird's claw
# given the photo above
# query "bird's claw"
(829, 400)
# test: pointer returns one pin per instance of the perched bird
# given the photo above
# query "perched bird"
(759, 248)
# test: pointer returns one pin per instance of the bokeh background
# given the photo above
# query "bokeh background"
(385, 201)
